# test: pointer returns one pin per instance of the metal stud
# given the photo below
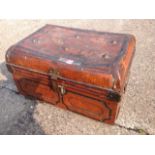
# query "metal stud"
(77, 37)
(35, 41)
(105, 56)
(114, 42)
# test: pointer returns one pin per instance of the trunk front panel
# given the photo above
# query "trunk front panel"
(88, 102)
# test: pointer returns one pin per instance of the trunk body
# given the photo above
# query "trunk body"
(79, 70)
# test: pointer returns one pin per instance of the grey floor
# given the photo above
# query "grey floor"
(19, 115)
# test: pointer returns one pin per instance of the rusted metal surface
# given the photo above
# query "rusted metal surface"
(79, 70)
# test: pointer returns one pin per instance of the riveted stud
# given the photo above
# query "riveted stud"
(77, 37)
(105, 56)
(36, 41)
(114, 42)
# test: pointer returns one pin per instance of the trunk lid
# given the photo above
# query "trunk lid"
(97, 59)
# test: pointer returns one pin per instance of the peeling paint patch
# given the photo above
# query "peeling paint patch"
(68, 61)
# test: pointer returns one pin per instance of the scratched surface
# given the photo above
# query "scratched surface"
(19, 115)
(85, 48)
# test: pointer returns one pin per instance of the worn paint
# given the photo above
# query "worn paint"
(92, 66)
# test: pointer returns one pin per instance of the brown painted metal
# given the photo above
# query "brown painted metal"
(80, 70)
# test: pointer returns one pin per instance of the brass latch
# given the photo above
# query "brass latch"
(54, 74)
(62, 89)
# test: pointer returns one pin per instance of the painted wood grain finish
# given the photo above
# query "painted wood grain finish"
(93, 68)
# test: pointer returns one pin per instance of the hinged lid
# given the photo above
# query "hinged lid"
(98, 58)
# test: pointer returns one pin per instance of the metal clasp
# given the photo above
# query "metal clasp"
(62, 89)
(54, 74)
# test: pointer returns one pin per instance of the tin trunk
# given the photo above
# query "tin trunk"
(79, 70)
